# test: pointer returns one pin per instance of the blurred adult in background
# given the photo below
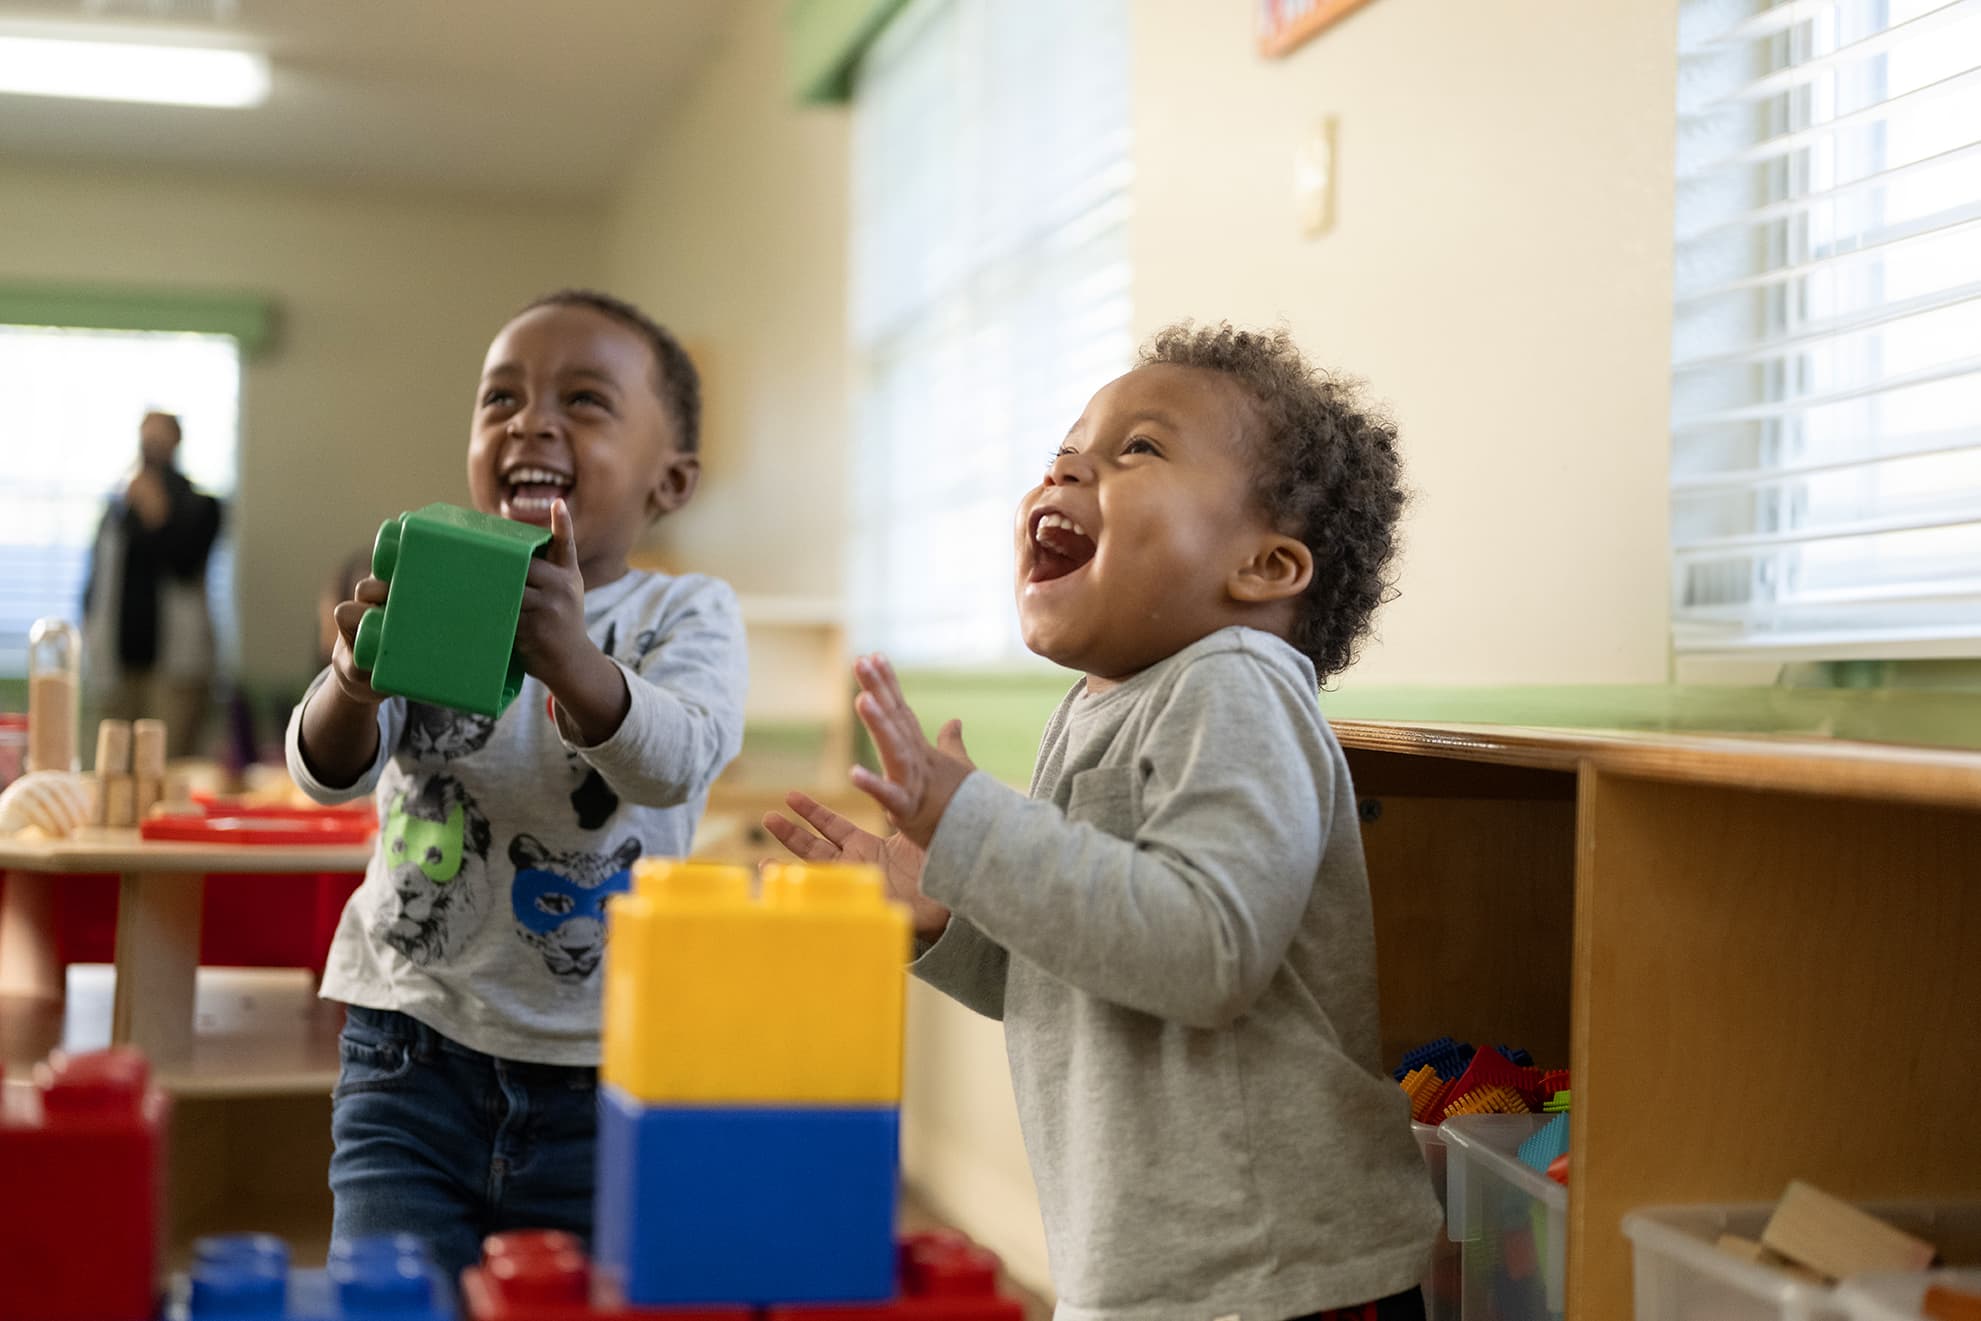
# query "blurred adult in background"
(148, 629)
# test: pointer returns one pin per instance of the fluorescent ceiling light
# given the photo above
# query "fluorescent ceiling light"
(121, 71)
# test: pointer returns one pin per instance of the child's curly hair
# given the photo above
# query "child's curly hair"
(676, 381)
(1327, 472)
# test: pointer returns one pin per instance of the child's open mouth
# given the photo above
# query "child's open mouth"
(1059, 546)
(528, 492)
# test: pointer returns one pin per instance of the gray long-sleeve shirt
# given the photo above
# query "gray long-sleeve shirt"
(1175, 928)
(482, 912)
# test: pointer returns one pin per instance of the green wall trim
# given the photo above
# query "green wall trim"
(249, 318)
(823, 43)
(1003, 714)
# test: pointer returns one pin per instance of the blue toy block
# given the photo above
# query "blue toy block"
(246, 1277)
(1515, 1055)
(751, 1205)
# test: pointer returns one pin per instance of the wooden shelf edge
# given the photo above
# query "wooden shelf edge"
(1799, 765)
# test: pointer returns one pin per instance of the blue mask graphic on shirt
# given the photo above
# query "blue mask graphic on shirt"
(545, 901)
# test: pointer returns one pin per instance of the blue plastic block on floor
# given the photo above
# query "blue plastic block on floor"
(246, 1277)
(752, 1205)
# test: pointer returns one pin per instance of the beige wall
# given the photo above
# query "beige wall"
(360, 408)
(1499, 272)
(731, 229)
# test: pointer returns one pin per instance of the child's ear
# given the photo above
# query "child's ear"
(676, 485)
(1279, 569)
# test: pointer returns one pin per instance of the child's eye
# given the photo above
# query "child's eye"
(588, 399)
(496, 398)
(1140, 445)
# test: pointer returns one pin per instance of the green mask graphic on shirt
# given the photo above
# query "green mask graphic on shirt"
(435, 845)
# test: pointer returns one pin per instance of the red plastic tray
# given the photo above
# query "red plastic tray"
(291, 828)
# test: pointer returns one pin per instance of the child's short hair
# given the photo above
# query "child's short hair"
(1326, 471)
(676, 381)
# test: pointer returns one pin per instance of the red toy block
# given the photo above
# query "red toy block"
(82, 1189)
(944, 1277)
(544, 1275)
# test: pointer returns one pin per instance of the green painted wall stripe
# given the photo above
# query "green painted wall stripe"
(1003, 714)
(824, 40)
(249, 318)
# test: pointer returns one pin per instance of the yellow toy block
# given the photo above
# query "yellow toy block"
(713, 997)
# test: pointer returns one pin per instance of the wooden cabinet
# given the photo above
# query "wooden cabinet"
(1761, 958)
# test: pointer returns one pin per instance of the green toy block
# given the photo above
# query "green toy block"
(447, 632)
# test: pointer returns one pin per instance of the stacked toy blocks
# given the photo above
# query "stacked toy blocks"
(750, 1087)
(246, 1277)
(81, 1188)
(447, 632)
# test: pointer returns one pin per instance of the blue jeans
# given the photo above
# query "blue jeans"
(434, 1139)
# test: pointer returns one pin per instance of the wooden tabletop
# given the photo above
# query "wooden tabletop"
(1832, 767)
(126, 851)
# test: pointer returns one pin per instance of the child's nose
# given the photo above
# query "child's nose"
(1070, 469)
(530, 420)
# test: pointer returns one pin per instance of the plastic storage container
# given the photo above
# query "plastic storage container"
(1510, 1223)
(1442, 1278)
(1901, 1295)
(1682, 1276)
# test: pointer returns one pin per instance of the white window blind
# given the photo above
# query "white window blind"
(74, 401)
(1826, 375)
(989, 299)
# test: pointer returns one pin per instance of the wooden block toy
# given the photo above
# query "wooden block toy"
(113, 747)
(117, 799)
(1746, 1249)
(81, 1186)
(794, 998)
(447, 632)
(1835, 1239)
(148, 749)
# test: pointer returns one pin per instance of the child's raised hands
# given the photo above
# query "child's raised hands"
(352, 682)
(839, 840)
(920, 777)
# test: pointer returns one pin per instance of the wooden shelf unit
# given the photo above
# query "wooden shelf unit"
(1760, 957)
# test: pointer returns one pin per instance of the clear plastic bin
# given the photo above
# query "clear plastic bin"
(1682, 1276)
(1899, 1296)
(1442, 1278)
(1511, 1223)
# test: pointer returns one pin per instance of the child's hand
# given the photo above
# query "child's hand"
(839, 840)
(921, 777)
(550, 637)
(354, 684)
(550, 632)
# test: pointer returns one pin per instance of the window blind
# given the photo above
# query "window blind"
(1826, 344)
(989, 297)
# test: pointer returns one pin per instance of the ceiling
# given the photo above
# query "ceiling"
(546, 99)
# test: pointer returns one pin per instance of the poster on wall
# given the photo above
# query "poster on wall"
(1284, 24)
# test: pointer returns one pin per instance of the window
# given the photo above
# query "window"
(990, 297)
(1826, 376)
(74, 400)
